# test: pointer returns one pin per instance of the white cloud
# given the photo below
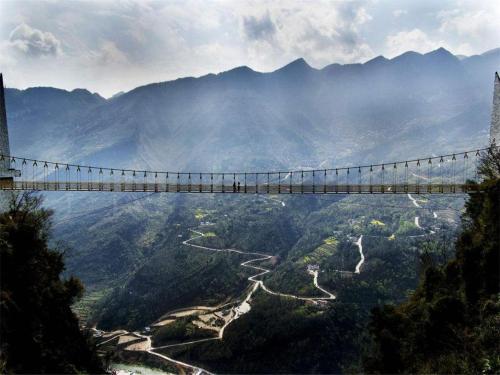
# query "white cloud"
(412, 40)
(473, 26)
(109, 54)
(34, 42)
(110, 46)
(328, 32)
(399, 12)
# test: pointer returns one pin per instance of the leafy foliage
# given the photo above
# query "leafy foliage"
(39, 331)
(451, 323)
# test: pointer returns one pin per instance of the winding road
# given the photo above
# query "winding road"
(359, 243)
(244, 306)
(262, 271)
(236, 312)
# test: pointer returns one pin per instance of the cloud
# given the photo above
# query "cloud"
(413, 40)
(399, 12)
(256, 28)
(277, 33)
(471, 23)
(472, 27)
(34, 42)
(110, 46)
(110, 54)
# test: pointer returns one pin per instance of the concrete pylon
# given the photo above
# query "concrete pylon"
(4, 133)
(495, 113)
(6, 173)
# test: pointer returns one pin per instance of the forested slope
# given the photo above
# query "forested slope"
(451, 323)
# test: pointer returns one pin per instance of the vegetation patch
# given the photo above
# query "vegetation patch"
(377, 222)
(200, 214)
(407, 228)
(181, 330)
(327, 249)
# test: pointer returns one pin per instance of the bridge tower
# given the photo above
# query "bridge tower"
(6, 172)
(495, 113)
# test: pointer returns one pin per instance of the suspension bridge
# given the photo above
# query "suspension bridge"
(455, 173)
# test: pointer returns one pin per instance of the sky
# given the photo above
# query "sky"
(112, 46)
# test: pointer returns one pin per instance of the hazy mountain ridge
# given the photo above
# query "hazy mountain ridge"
(242, 119)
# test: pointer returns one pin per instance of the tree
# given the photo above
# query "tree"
(452, 321)
(39, 332)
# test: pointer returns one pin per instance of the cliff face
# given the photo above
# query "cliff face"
(495, 113)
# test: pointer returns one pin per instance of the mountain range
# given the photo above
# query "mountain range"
(297, 116)
(128, 248)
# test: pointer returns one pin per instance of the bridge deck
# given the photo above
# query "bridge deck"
(244, 189)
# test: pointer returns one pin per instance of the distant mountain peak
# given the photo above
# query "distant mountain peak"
(84, 93)
(376, 60)
(439, 52)
(81, 91)
(491, 52)
(405, 55)
(238, 70)
(442, 56)
(296, 66)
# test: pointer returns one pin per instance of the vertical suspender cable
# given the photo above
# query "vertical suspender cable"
(406, 176)
(68, 177)
(418, 177)
(23, 174)
(394, 177)
(347, 181)
(314, 182)
(453, 172)
(324, 184)
(359, 180)
(371, 179)
(466, 169)
(382, 187)
(336, 180)
(429, 176)
(441, 167)
(56, 173)
(45, 176)
(302, 182)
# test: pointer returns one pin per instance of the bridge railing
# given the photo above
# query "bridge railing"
(437, 174)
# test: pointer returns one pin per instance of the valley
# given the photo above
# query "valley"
(255, 283)
(171, 334)
(249, 187)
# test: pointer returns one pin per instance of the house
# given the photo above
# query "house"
(312, 267)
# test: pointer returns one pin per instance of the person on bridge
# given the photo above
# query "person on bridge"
(234, 187)
(239, 187)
